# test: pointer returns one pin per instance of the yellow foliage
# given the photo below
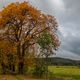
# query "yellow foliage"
(7, 47)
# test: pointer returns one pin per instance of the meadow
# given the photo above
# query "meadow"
(56, 73)
(65, 72)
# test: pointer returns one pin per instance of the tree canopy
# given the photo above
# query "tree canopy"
(24, 26)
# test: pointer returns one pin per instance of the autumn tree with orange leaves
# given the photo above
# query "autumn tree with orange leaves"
(22, 24)
(7, 56)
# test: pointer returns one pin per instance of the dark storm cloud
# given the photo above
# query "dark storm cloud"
(71, 27)
(67, 13)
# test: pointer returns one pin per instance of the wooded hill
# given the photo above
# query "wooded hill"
(62, 61)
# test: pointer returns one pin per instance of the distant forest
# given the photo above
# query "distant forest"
(62, 62)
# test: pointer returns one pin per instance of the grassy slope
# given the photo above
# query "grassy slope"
(69, 73)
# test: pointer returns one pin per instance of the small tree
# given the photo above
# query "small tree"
(48, 47)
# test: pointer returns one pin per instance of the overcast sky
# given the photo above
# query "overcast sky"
(67, 13)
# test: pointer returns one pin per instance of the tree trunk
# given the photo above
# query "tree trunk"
(3, 68)
(21, 67)
(10, 68)
(46, 67)
(13, 68)
(21, 59)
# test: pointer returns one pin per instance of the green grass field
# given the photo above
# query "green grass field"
(57, 73)
(65, 72)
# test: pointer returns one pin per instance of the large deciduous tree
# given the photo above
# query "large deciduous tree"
(21, 24)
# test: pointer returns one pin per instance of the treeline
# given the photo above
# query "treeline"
(62, 62)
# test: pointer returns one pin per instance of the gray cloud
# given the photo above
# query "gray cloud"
(67, 13)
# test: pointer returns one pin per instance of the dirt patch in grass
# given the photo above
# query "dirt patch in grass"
(21, 77)
(7, 77)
